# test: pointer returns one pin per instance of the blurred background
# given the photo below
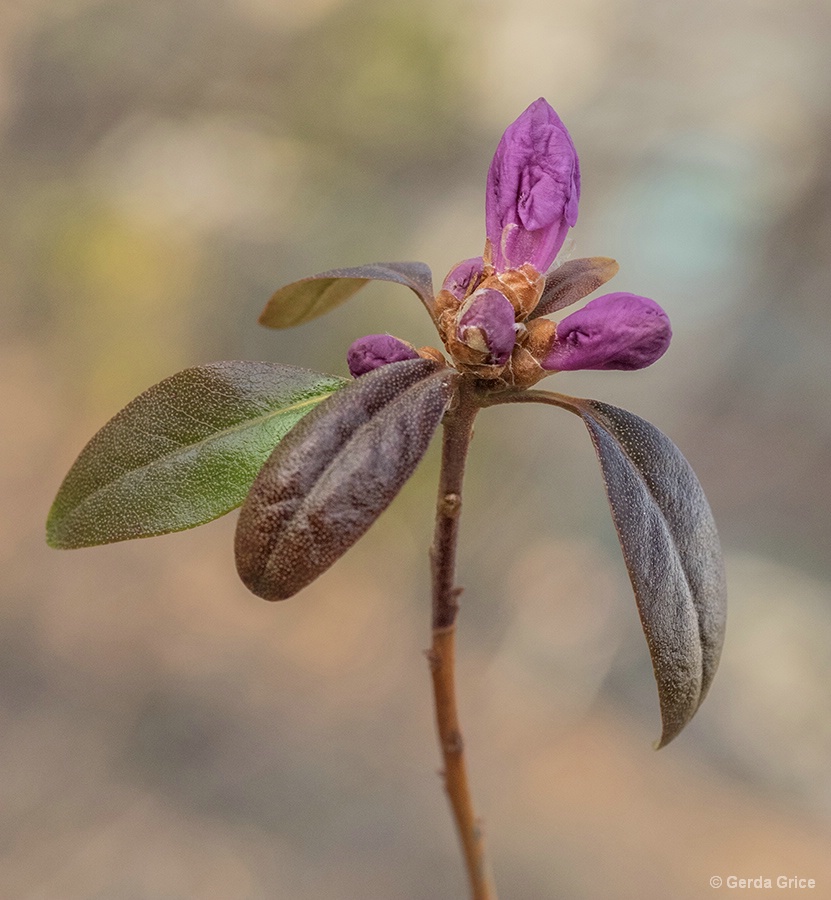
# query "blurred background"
(165, 167)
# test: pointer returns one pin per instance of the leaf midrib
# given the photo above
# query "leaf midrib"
(306, 502)
(654, 499)
(217, 435)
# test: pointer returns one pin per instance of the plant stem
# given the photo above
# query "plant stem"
(458, 430)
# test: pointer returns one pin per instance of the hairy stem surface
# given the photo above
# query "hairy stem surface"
(458, 430)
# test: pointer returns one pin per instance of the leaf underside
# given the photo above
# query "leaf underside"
(336, 473)
(672, 552)
(182, 453)
(572, 281)
(304, 300)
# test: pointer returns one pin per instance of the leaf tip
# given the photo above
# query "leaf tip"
(267, 318)
(664, 739)
(611, 266)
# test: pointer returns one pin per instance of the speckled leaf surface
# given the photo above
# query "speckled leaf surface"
(336, 473)
(672, 552)
(572, 281)
(304, 300)
(182, 453)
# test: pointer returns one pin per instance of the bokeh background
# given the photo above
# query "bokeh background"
(167, 165)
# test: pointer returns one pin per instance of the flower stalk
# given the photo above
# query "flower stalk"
(457, 434)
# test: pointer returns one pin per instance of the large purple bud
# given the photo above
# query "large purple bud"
(615, 331)
(376, 350)
(533, 190)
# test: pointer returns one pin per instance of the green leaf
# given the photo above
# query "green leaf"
(304, 300)
(332, 477)
(572, 281)
(672, 552)
(182, 453)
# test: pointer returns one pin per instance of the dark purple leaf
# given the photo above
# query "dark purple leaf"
(672, 552)
(670, 545)
(572, 281)
(304, 300)
(336, 473)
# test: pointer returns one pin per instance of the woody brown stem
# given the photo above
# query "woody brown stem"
(458, 430)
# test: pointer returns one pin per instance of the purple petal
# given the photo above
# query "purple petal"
(462, 275)
(488, 325)
(533, 190)
(615, 331)
(376, 350)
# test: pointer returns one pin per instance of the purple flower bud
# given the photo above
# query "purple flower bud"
(533, 190)
(462, 275)
(375, 350)
(615, 331)
(487, 325)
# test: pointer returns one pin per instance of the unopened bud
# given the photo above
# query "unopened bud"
(533, 190)
(615, 331)
(376, 350)
(487, 325)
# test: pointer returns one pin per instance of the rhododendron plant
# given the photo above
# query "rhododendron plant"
(314, 459)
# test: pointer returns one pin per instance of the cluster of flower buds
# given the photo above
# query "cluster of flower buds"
(489, 310)
(482, 316)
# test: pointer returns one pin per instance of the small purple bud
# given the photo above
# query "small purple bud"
(487, 324)
(615, 331)
(462, 275)
(533, 190)
(375, 350)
